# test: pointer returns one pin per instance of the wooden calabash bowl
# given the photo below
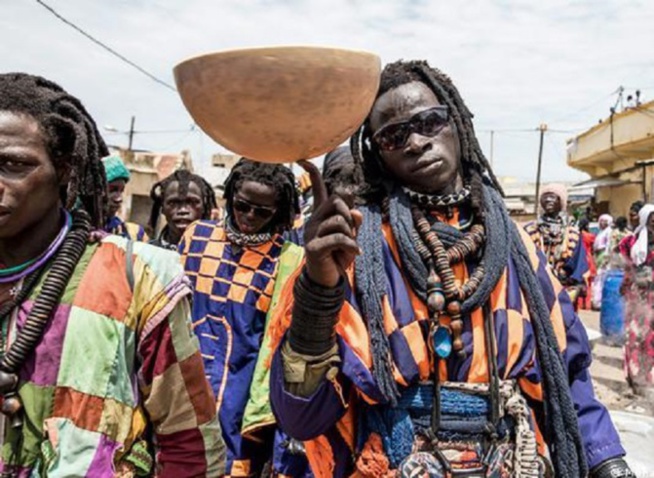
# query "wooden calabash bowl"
(279, 104)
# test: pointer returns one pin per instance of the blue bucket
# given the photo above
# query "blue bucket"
(612, 311)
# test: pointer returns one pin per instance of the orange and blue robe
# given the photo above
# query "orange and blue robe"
(233, 289)
(570, 264)
(327, 419)
(128, 230)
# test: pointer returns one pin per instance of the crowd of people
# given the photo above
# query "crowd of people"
(582, 260)
(406, 327)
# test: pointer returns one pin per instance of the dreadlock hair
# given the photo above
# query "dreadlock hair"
(279, 177)
(503, 243)
(474, 165)
(184, 177)
(340, 167)
(71, 136)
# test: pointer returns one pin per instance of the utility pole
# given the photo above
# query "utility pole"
(542, 128)
(131, 134)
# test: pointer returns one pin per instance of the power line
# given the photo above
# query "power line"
(181, 139)
(508, 130)
(159, 131)
(102, 45)
(585, 108)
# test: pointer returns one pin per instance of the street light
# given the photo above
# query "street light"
(130, 133)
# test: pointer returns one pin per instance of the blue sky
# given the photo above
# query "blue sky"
(516, 63)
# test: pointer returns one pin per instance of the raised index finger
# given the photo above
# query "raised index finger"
(317, 184)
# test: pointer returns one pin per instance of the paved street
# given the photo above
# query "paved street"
(632, 416)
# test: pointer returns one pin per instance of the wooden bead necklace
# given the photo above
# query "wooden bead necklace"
(444, 297)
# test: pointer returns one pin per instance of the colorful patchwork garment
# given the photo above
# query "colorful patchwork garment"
(233, 291)
(329, 417)
(116, 377)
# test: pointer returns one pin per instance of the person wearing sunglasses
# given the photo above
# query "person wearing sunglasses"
(424, 335)
(237, 267)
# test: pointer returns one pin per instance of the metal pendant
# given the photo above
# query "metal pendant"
(442, 341)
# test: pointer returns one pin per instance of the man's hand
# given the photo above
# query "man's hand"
(330, 234)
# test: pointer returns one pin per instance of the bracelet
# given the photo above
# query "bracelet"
(315, 313)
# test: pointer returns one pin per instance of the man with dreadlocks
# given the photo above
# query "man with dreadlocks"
(560, 240)
(237, 269)
(117, 176)
(425, 335)
(183, 198)
(97, 356)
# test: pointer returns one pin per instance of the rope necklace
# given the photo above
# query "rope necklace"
(13, 274)
(437, 200)
(57, 278)
(242, 239)
(443, 295)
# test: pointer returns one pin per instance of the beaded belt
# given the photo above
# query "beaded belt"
(467, 442)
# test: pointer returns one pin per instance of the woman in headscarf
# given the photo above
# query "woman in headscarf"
(638, 288)
(602, 239)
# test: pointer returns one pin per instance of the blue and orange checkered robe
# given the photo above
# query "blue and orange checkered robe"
(233, 290)
(326, 420)
(115, 361)
(128, 230)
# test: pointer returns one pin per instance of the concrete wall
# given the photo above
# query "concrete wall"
(620, 198)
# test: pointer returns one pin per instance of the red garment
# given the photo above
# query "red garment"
(588, 239)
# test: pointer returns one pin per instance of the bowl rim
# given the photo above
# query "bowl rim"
(276, 48)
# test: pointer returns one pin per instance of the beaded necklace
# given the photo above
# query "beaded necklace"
(13, 274)
(444, 297)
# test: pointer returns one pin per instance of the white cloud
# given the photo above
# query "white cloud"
(517, 63)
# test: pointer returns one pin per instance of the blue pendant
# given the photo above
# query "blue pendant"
(442, 341)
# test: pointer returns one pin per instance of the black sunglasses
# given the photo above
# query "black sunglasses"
(426, 123)
(245, 207)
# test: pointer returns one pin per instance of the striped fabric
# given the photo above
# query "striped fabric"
(128, 230)
(330, 432)
(233, 288)
(571, 267)
(112, 363)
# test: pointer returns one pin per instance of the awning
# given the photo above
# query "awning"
(600, 182)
